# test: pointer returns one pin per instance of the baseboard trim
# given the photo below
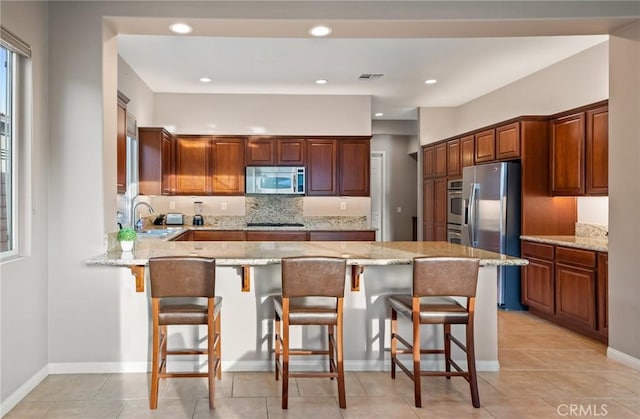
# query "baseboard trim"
(623, 358)
(98, 367)
(16, 397)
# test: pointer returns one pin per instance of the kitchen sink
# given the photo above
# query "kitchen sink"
(157, 232)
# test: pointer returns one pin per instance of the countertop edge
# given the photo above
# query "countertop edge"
(585, 243)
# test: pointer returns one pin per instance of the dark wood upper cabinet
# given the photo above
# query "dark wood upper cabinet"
(322, 159)
(354, 160)
(227, 168)
(428, 162)
(290, 151)
(508, 141)
(454, 168)
(567, 155)
(156, 161)
(121, 143)
(597, 151)
(441, 160)
(467, 151)
(261, 152)
(485, 146)
(193, 165)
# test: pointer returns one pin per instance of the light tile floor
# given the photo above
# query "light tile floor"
(545, 372)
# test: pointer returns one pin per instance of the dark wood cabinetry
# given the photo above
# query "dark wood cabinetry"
(428, 162)
(567, 286)
(353, 161)
(156, 161)
(538, 288)
(441, 160)
(275, 236)
(322, 159)
(193, 165)
(485, 142)
(342, 235)
(467, 151)
(454, 168)
(440, 209)
(597, 151)
(227, 168)
(428, 228)
(508, 141)
(579, 152)
(121, 147)
(275, 151)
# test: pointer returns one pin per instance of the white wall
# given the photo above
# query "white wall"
(264, 114)
(141, 98)
(24, 284)
(624, 192)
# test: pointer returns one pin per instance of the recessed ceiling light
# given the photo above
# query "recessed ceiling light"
(431, 81)
(180, 28)
(320, 30)
(378, 114)
(321, 81)
(205, 79)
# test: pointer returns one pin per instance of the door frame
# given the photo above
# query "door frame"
(381, 155)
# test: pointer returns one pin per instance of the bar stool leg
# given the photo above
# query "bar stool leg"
(340, 365)
(447, 348)
(211, 356)
(394, 342)
(218, 323)
(471, 365)
(416, 356)
(332, 349)
(285, 353)
(153, 399)
(277, 337)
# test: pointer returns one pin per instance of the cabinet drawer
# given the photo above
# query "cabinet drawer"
(586, 258)
(537, 250)
(276, 236)
(342, 235)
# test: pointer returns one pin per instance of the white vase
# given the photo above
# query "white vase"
(126, 246)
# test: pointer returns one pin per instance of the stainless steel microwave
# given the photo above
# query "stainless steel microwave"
(275, 180)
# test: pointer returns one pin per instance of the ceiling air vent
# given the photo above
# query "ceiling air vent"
(370, 76)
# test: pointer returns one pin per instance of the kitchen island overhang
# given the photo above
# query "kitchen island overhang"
(248, 275)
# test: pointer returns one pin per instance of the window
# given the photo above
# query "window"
(12, 53)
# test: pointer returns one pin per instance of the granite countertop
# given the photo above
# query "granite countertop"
(265, 253)
(588, 243)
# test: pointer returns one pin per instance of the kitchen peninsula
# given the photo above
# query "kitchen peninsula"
(248, 274)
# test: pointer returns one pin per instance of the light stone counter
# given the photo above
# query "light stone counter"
(587, 243)
(378, 269)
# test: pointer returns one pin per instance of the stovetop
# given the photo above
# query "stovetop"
(275, 225)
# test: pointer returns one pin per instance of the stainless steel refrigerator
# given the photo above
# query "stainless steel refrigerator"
(491, 194)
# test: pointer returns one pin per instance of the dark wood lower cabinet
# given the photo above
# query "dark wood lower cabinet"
(273, 235)
(567, 286)
(342, 235)
(276, 236)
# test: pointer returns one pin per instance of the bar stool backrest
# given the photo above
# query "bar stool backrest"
(445, 276)
(182, 277)
(311, 276)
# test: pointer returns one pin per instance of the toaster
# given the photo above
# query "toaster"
(174, 219)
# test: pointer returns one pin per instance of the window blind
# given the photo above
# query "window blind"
(13, 43)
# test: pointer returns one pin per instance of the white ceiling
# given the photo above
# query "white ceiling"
(465, 68)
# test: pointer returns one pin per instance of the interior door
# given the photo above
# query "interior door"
(377, 193)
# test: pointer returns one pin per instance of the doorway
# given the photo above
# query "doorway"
(377, 193)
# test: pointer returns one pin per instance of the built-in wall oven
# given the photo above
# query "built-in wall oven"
(454, 233)
(455, 202)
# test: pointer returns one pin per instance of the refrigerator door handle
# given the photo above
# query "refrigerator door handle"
(472, 214)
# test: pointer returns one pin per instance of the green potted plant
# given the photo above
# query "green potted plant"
(126, 237)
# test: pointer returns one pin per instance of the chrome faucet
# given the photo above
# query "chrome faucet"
(138, 223)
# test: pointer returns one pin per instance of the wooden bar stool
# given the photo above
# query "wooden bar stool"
(172, 278)
(304, 277)
(435, 281)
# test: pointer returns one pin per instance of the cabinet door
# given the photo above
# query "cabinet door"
(454, 168)
(354, 160)
(467, 152)
(441, 160)
(597, 163)
(576, 295)
(568, 155)
(261, 152)
(121, 144)
(342, 235)
(440, 209)
(290, 151)
(168, 164)
(537, 285)
(193, 165)
(216, 235)
(274, 236)
(427, 210)
(603, 294)
(428, 162)
(322, 158)
(228, 166)
(485, 146)
(508, 141)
